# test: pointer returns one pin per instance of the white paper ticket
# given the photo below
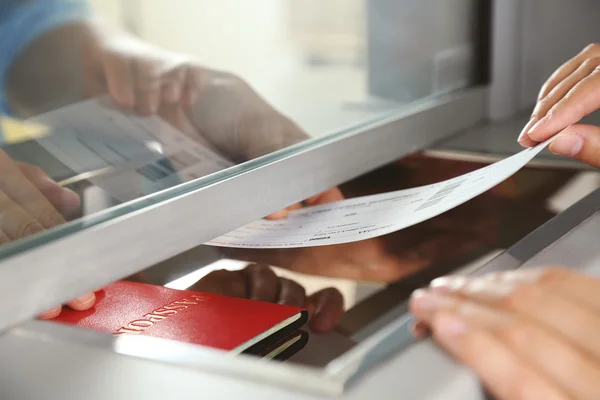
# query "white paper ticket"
(371, 216)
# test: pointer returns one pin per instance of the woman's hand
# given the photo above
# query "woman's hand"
(571, 93)
(259, 282)
(530, 334)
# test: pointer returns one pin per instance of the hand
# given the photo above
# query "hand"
(571, 93)
(259, 282)
(29, 203)
(328, 196)
(136, 74)
(29, 200)
(231, 116)
(528, 334)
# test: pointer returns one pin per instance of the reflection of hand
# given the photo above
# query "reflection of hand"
(451, 236)
(29, 200)
(259, 282)
(536, 329)
(212, 106)
(571, 93)
(137, 75)
(384, 259)
(29, 203)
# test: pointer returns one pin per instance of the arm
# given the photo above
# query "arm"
(42, 53)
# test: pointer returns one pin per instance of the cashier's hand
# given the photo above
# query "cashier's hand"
(571, 93)
(529, 334)
(215, 108)
(259, 282)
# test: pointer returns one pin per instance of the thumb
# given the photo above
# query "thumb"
(580, 142)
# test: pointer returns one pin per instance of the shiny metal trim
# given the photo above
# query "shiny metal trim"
(62, 269)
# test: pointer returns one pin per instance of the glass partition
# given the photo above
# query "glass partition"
(118, 105)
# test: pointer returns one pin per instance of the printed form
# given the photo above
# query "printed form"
(371, 216)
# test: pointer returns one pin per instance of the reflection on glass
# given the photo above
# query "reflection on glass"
(104, 102)
(354, 290)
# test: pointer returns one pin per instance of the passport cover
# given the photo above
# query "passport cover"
(227, 323)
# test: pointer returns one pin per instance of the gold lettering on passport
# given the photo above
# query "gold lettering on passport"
(138, 326)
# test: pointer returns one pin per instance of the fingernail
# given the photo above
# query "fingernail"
(51, 313)
(538, 125)
(424, 301)
(449, 283)
(568, 145)
(419, 330)
(83, 302)
(449, 326)
(523, 133)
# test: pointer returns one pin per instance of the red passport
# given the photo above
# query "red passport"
(228, 323)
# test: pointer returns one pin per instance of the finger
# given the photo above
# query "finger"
(328, 306)
(582, 100)
(223, 282)
(544, 303)
(291, 293)
(171, 93)
(281, 214)
(581, 142)
(15, 222)
(420, 330)
(173, 86)
(4, 238)
(194, 81)
(546, 103)
(53, 313)
(579, 287)
(564, 87)
(543, 350)
(21, 191)
(329, 196)
(263, 284)
(505, 375)
(61, 198)
(524, 139)
(119, 78)
(147, 78)
(567, 69)
(83, 302)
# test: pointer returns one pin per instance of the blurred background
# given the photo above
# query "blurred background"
(327, 65)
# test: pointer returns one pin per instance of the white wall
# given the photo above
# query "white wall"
(253, 40)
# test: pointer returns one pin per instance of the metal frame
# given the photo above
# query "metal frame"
(122, 246)
(213, 371)
(506, 59)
